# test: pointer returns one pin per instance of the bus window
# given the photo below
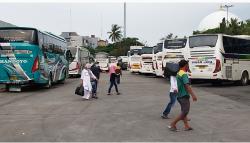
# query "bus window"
(203, 40)
(18, 35)
(175, 43)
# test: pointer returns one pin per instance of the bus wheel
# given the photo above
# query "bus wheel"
(244, 79)
(64, 77)
(49, 84)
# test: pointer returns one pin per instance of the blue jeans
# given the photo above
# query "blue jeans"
(113, 83)
(171, 103)
(94, 86)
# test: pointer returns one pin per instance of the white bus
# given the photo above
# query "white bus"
(146, 61)
(157, 60)
(134, 58)
(103, 60)
(81, 56)
(174, 50)
(219, 57)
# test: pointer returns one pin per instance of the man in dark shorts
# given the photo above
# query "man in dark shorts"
(184, 92)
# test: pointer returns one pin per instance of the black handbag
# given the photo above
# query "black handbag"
(79, 90)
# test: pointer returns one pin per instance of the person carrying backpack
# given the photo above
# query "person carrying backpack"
(172, 95)
(118, 72)
(113, 81)
(184, 92)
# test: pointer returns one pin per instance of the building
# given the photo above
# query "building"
(214, 19)
(102, 43)
(6, 24)
(91, 41)
(75, 40)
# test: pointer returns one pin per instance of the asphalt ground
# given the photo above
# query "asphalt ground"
(37, 114)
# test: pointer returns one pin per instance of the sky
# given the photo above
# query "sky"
(147, 21)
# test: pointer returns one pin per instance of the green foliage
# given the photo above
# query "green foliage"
(119, 48)
(115, 34)
(234, 27)
(91, 50)
(169, 36)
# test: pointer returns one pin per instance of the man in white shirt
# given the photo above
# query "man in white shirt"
(172, 95)
(86, 81)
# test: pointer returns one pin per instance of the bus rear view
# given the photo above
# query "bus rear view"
(205, 58)
(29, 56)
(18, 56)
(220, 57)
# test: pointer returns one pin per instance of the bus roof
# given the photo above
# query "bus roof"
(30, 28)
(233, 36)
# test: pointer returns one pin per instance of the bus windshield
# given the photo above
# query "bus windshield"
(147, 50)
(135, 52)
(158, 48)
(101, 56)
(18, 35)
(203, 40)
(175, 43)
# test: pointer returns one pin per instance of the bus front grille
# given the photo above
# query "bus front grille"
(229, 71)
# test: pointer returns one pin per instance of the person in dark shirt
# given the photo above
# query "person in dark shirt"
(95, 68)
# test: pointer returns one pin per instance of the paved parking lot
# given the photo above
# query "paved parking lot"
(221, 113)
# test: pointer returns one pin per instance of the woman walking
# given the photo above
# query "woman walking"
(86, 77)
(113, 77)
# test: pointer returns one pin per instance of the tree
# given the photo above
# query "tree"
(120, 48)
(234, 27)
(223, 26)
(115, 34)
(169, 36)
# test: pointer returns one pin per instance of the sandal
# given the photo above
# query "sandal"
(188, 129)
(174, 129)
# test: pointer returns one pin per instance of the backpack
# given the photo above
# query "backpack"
(118, 70)
(171, 69)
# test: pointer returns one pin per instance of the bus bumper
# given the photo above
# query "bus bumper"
(213, 76)
(147, 71)
(134, 70)
(16, 82)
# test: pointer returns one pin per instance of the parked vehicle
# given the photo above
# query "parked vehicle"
(81, 56)
(219, 57)
(30, 56)
(103, 60)
(134, 58)
(158, 60)
(174, 50)
(146, 61)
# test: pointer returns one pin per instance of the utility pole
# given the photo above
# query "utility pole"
(70, 20)
(124, 25)
(227, 7)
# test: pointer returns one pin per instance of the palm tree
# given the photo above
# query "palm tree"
(115, 34)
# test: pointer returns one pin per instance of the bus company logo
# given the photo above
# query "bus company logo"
(13, 61)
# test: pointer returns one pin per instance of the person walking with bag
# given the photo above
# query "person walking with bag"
(184, 92)
(172, 95)
(113, 77)
(86, 77)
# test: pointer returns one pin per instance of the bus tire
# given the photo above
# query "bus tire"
(244, 78)
(49, 84)
(64, 78)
